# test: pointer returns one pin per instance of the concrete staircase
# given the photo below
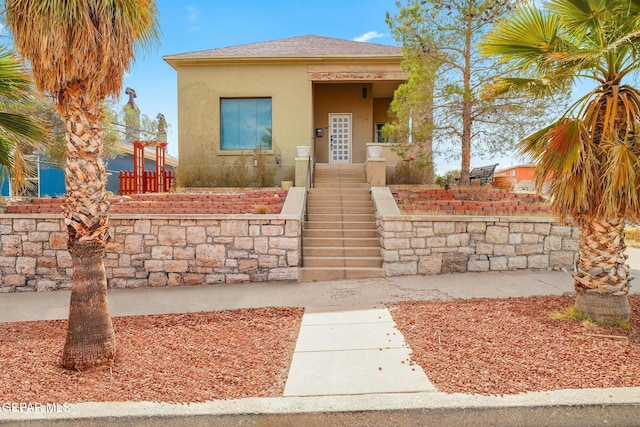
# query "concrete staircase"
(340, 239)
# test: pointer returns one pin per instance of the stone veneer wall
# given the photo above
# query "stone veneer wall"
(158, 250)
(447, 244)
(168, 250)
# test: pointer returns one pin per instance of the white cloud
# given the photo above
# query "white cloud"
(368, 36)
(194, 18)
(194, 14)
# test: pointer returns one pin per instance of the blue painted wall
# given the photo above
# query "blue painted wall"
(52, 176)
(51, 181)
(4, 189)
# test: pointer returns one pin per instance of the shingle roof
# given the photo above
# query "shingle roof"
(296, 47)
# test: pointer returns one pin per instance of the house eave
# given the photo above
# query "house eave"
(177, 60)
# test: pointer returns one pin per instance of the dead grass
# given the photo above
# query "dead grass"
(632, 236)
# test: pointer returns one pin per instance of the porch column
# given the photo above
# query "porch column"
(376, 169)
(302, 169)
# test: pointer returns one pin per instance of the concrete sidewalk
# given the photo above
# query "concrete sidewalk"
(184, 299)
(350, 365)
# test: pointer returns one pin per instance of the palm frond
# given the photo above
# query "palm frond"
(620, 182)
(6, 160)
(15, 84)
(59, 38)
(564, 157)
(581, 16)
(590, 157)
(535, 46)
(537, 86)
(18, 127)
(525, 39)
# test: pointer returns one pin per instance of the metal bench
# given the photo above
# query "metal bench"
(483, 173)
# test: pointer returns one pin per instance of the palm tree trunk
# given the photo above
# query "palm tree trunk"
(602, 276)
(90, 337)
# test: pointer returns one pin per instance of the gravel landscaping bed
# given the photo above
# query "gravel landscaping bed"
(483, 346)
(171, 358)
(508, 346)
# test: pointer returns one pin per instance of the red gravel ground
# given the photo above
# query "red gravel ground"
(171, 358)
(510, 346)
(476, 346)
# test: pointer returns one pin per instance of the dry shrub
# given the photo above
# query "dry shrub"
(410, 172)
(261, 210)
(632, 234)
(243, 171)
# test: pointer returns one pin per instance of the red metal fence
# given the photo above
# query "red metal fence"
(147, 184)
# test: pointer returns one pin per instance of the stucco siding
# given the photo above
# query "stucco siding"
(344, 98)
(201, 88)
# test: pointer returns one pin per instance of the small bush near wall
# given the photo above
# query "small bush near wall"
(243, 171)
(410, 172)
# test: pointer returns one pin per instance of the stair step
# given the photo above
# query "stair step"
(338, 199)
(337, 189)
(340, 217)
(343, 180)
(341, 251)
(340, 261)
(342, 233)
(333, 185)
(362, 176)
(344, 204)
(332, 200)
(344, 225)
(328, 210)
(341, 193)
(320, 274)
(350, 242)
(339, 167)
(340, 238)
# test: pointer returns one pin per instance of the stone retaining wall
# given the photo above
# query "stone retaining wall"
(169, 250)
(153, 251)
(158, 250)
(449, 244)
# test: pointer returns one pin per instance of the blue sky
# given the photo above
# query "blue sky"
(204, 24)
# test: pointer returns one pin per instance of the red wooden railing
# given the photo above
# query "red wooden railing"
(128, 184)
(142, 181)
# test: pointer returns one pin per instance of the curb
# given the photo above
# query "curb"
(589, 407)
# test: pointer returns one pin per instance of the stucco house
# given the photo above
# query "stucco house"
(516, 178)
(329, 94)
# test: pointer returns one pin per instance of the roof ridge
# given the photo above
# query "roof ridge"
(298, 46)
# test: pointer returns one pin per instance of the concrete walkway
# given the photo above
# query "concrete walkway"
(185, 299)
(350, 365)
(352, 350)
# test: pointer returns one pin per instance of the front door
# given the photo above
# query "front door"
(340, 138)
